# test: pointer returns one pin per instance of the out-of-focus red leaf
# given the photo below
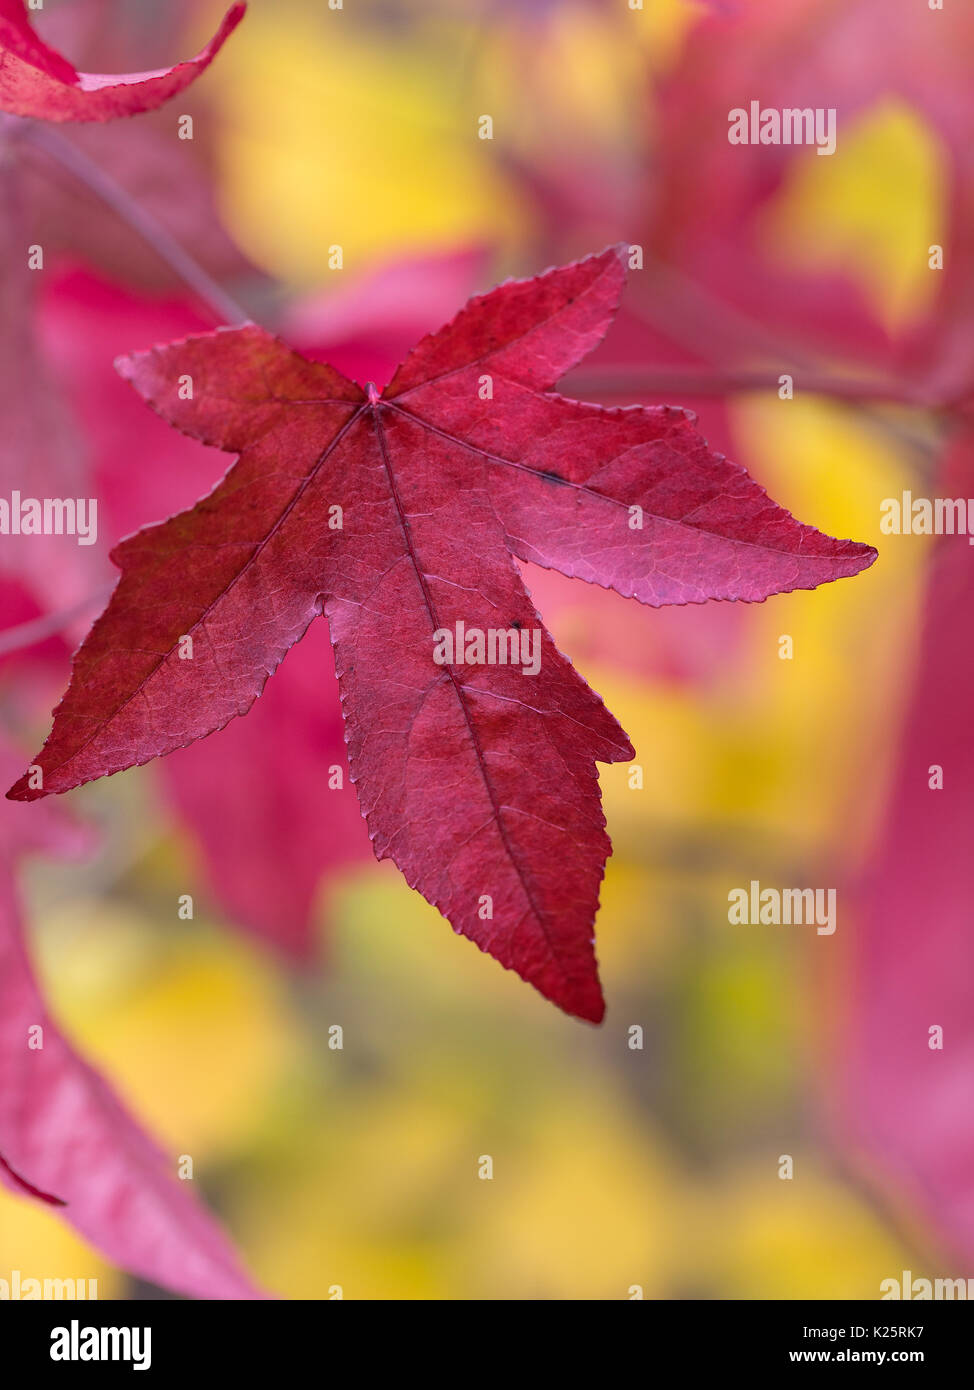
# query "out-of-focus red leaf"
(84, 322)
(18, 610)
(66, 1138)
(170, 181)
(37, 81)
(263, 800)
(905, 1102)
(48, 462)
(365, 330)
(479, 780)
(707, 199)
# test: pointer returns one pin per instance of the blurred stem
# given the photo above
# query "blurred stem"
(38, 630)
(222, 306)
(17, 317)
(910, 1234)
(687, 312)
(718, 382)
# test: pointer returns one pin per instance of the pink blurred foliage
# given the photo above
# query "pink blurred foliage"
(64, 1136)
(365, 329)
(707, 199)
(905, 1103)
(64, 1132)
(902, 1104)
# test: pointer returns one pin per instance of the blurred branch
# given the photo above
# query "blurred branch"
(717, 382)
(222, 306)
(31, 634)
(905, 1227)
(683, 310)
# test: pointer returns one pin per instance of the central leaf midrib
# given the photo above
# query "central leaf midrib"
(588, 491)
(457, 686)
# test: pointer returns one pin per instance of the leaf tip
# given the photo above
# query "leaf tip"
(863, 556)
(584, 999)
(592, 1011)
(23, 791)
(231, 19)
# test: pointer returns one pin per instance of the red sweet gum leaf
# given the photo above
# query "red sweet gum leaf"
(36, 81)
(265, 857)
(64, 1132)
(478, 780)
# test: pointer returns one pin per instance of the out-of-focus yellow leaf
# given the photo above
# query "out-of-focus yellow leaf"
(872, 209)
(582, 1207)
(386, 1197)
(191, 1027)
(804, 1237)
(340, 134)
(385, 933)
